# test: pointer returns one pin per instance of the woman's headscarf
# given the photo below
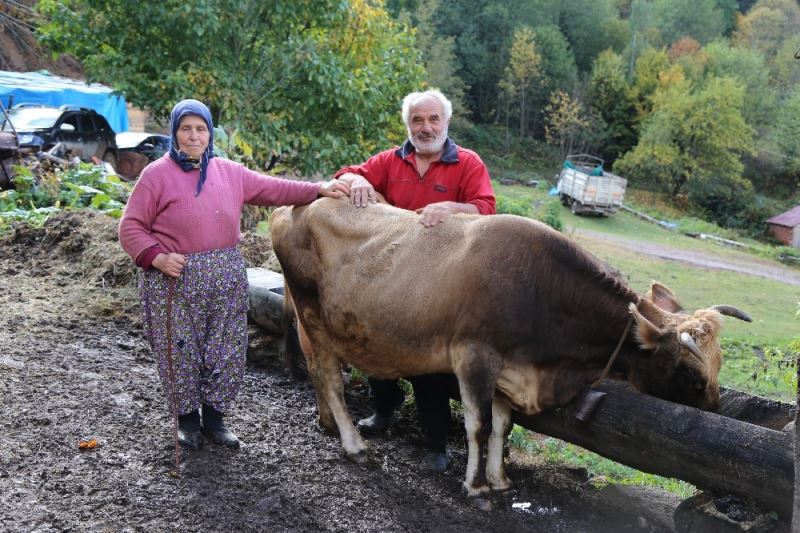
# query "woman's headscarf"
(181, 109)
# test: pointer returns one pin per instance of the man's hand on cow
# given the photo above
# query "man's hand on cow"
(432, 214)
(334, 189)
(170, 264)
(362, 193)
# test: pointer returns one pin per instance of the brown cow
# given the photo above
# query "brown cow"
(520, 314)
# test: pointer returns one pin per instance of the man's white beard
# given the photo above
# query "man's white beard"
(431, 147)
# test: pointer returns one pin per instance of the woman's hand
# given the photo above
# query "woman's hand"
(334, 189)
(170, 264)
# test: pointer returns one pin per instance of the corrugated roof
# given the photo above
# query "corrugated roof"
(790, 218)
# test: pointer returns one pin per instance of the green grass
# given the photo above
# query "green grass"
(761, 370)
(771, 304)
(602, 471)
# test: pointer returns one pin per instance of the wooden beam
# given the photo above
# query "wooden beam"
(712, 451)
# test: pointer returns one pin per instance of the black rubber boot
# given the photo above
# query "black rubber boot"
(385, 395)
(189, 430)
(434, 462)
(374, 424)
(214, 428)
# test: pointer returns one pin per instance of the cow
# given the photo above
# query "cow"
(520, 314)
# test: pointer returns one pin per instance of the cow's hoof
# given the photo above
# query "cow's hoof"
(360, 457)
(481, 491)
(500, 485)
(481, 503)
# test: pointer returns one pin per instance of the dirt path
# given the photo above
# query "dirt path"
(74, 366)
(732, 260)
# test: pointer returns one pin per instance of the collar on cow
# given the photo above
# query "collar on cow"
(449, 153)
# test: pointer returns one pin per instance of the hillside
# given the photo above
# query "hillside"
(19, 51)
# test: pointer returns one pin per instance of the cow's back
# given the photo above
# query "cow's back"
(375, 280)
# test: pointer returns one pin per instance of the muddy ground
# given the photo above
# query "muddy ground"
(74, 366)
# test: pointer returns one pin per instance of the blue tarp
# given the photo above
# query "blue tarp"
(44, 88)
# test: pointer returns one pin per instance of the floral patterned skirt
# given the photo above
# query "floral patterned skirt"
(209, 328)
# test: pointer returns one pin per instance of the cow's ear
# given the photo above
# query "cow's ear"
(645, 331)
(663, 298)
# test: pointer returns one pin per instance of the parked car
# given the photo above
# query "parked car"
(137, 150)
(66, 131)
(9, 144)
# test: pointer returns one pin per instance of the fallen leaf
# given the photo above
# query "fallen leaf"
(87, 444)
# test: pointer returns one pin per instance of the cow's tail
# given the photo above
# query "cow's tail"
(293, 357)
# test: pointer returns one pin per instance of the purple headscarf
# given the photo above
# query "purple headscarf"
(181, 109)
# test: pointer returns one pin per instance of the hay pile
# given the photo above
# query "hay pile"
(84, 244)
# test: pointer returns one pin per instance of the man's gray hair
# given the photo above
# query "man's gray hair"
(414, 98)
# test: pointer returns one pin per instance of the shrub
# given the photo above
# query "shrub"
(513, 206)
(551, 215)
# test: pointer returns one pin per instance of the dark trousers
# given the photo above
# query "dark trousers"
(432, 393)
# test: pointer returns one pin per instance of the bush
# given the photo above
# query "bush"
(745, 211)
(551, 215)
(513, 206)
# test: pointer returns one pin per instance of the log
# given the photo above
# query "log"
(756, 410)
(265, 295)
(710, 450)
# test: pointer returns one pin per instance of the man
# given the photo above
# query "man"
(433, 176)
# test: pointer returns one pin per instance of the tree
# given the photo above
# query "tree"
(564, 122)
(649, 66)
(747, 67)
(610, 99)
(693, 141)
(438, 55)
(643, 34)
(768, 25)
(730, 10)
(522, 71)
(787, 133)
(558, 66)
(702, 20)
(482, 47)
(692, 58)
(785, 75)
(558, 72)
(591, 26)
(317, 84)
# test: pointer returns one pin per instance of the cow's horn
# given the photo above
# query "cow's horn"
(688, 342)
(731, 311)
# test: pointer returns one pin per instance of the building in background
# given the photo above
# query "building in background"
(786, 227)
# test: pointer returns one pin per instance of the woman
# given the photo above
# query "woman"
(181, 226)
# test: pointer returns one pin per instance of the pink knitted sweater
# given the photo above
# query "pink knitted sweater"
(163, 210)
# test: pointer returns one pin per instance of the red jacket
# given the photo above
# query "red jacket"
(458, 176)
